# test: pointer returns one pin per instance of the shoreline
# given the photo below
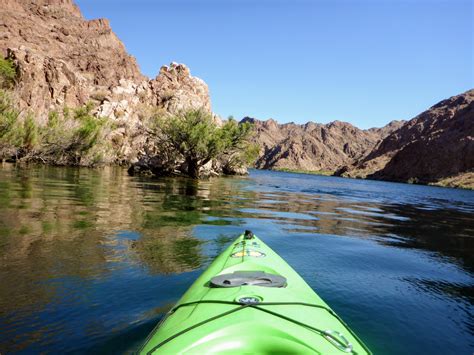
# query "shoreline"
(327, 173)
(441, 183)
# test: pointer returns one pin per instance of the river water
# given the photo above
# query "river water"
(90, 260)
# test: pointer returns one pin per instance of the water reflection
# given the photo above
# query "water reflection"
(88, 255)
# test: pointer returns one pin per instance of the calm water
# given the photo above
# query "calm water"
(90, 260)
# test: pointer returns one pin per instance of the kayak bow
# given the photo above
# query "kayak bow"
(250, 300)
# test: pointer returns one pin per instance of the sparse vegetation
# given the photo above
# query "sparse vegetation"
(10, 130)
(463, 180)
(67, 139)
(71, 138)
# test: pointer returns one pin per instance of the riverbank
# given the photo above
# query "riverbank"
(299, 171)
(463, 181)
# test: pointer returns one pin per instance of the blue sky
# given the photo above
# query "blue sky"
(362, 61)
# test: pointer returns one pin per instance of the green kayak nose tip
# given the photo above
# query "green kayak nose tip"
(250, 301)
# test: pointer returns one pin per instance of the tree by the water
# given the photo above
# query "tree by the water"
(195, 138)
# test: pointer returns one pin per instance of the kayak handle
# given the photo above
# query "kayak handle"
(338, 340)
(248, 234)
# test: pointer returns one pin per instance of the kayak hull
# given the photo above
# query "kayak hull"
(262, 316)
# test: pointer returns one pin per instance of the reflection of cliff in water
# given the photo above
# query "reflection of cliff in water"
(447, 232)
(58, 223)
(166, 244)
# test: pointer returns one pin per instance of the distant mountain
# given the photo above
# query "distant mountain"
(313, 146)
(437, 146)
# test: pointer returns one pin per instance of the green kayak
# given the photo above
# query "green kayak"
(250, 301)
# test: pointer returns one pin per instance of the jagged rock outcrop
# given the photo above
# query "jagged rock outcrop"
(64, 60)
(437, 146)
(314, 146)
(61, 57)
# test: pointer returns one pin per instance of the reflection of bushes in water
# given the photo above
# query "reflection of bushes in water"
(180, 206)
(184, 202)
(87, 191)
(221, 243)
(188, 251)
(163, 254)
(178, 218)
(82, 224)
(5, 194)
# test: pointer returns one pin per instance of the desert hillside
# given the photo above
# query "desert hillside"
(314, 146)
(436, 147)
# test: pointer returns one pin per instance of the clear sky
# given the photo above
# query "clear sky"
(362, 61)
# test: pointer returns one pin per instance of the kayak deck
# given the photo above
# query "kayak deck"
(250, 300)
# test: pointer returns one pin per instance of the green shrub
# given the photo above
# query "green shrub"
(87, 134)
(30, 134)
(194, 136)
(7, 73)
(64, 139)
(71, 137)
(10, 128)
(53, 119)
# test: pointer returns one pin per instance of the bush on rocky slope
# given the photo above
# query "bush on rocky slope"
(7, 73)
(191, 139)
(70, 138)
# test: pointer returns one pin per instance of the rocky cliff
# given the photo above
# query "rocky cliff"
(64, 60)
(437, 146)
(314, 146)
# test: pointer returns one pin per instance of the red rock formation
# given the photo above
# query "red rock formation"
(64, 59)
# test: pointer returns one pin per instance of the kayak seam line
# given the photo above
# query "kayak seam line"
(195, 326)
(330, 311)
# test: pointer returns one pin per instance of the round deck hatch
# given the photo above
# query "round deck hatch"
(251, 299)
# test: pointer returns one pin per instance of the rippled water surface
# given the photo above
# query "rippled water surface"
(90, 260)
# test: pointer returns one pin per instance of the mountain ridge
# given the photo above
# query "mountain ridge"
(313, 146)
(435, 147)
